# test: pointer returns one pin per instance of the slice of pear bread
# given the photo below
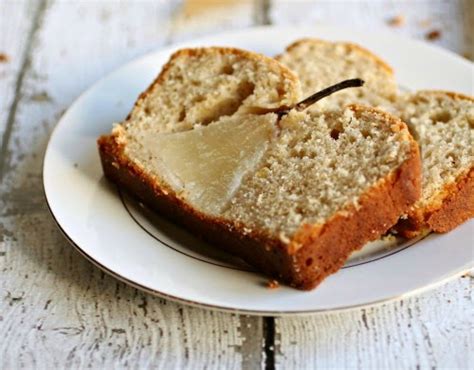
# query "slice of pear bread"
(443, 125)
(197, 86)
(293, 195)
(321, 63)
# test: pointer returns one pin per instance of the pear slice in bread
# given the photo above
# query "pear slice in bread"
(443, 125)
(293, 195)
(320, 63)
(206, 165)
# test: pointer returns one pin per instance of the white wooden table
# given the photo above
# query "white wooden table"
(59, 311)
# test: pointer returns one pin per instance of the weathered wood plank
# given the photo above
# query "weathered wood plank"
(206, 17)
(20, 22)
(431, 330)
(56, 309)
(467, 11)
(453, 19)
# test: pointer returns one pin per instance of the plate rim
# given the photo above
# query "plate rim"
(218, 308)
(191, 43)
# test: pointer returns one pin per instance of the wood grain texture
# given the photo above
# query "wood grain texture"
(206, 17)
(453, 18)
(428, 331)
(59, 311)
(20, 22)
(56, 309)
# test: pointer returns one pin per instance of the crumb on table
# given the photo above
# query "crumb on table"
(273, 284)
(433, 35)
(4, 58)
(397, 21)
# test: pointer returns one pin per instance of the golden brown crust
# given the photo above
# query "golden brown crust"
(451, 94)
(217, 50)
(455, 205)
(327, 246)
(350, 45)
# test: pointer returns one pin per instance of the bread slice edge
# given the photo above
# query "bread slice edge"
(453, 205)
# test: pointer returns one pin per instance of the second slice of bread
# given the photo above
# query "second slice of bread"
(320, 63)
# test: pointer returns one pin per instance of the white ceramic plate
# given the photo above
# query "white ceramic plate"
(125, 240)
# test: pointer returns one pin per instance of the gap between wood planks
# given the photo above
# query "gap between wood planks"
(262, 17)
(269, 342)
(262, 12)
(37, 19)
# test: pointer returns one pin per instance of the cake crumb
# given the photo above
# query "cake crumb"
(425, 23)
(433, 35)
(273, 284)
(397, 21)
(284, 238)
(4, 58)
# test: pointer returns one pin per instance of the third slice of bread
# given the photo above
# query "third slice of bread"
(443, 125)
(319, 64)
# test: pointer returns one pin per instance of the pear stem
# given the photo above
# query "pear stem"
(310, 100)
